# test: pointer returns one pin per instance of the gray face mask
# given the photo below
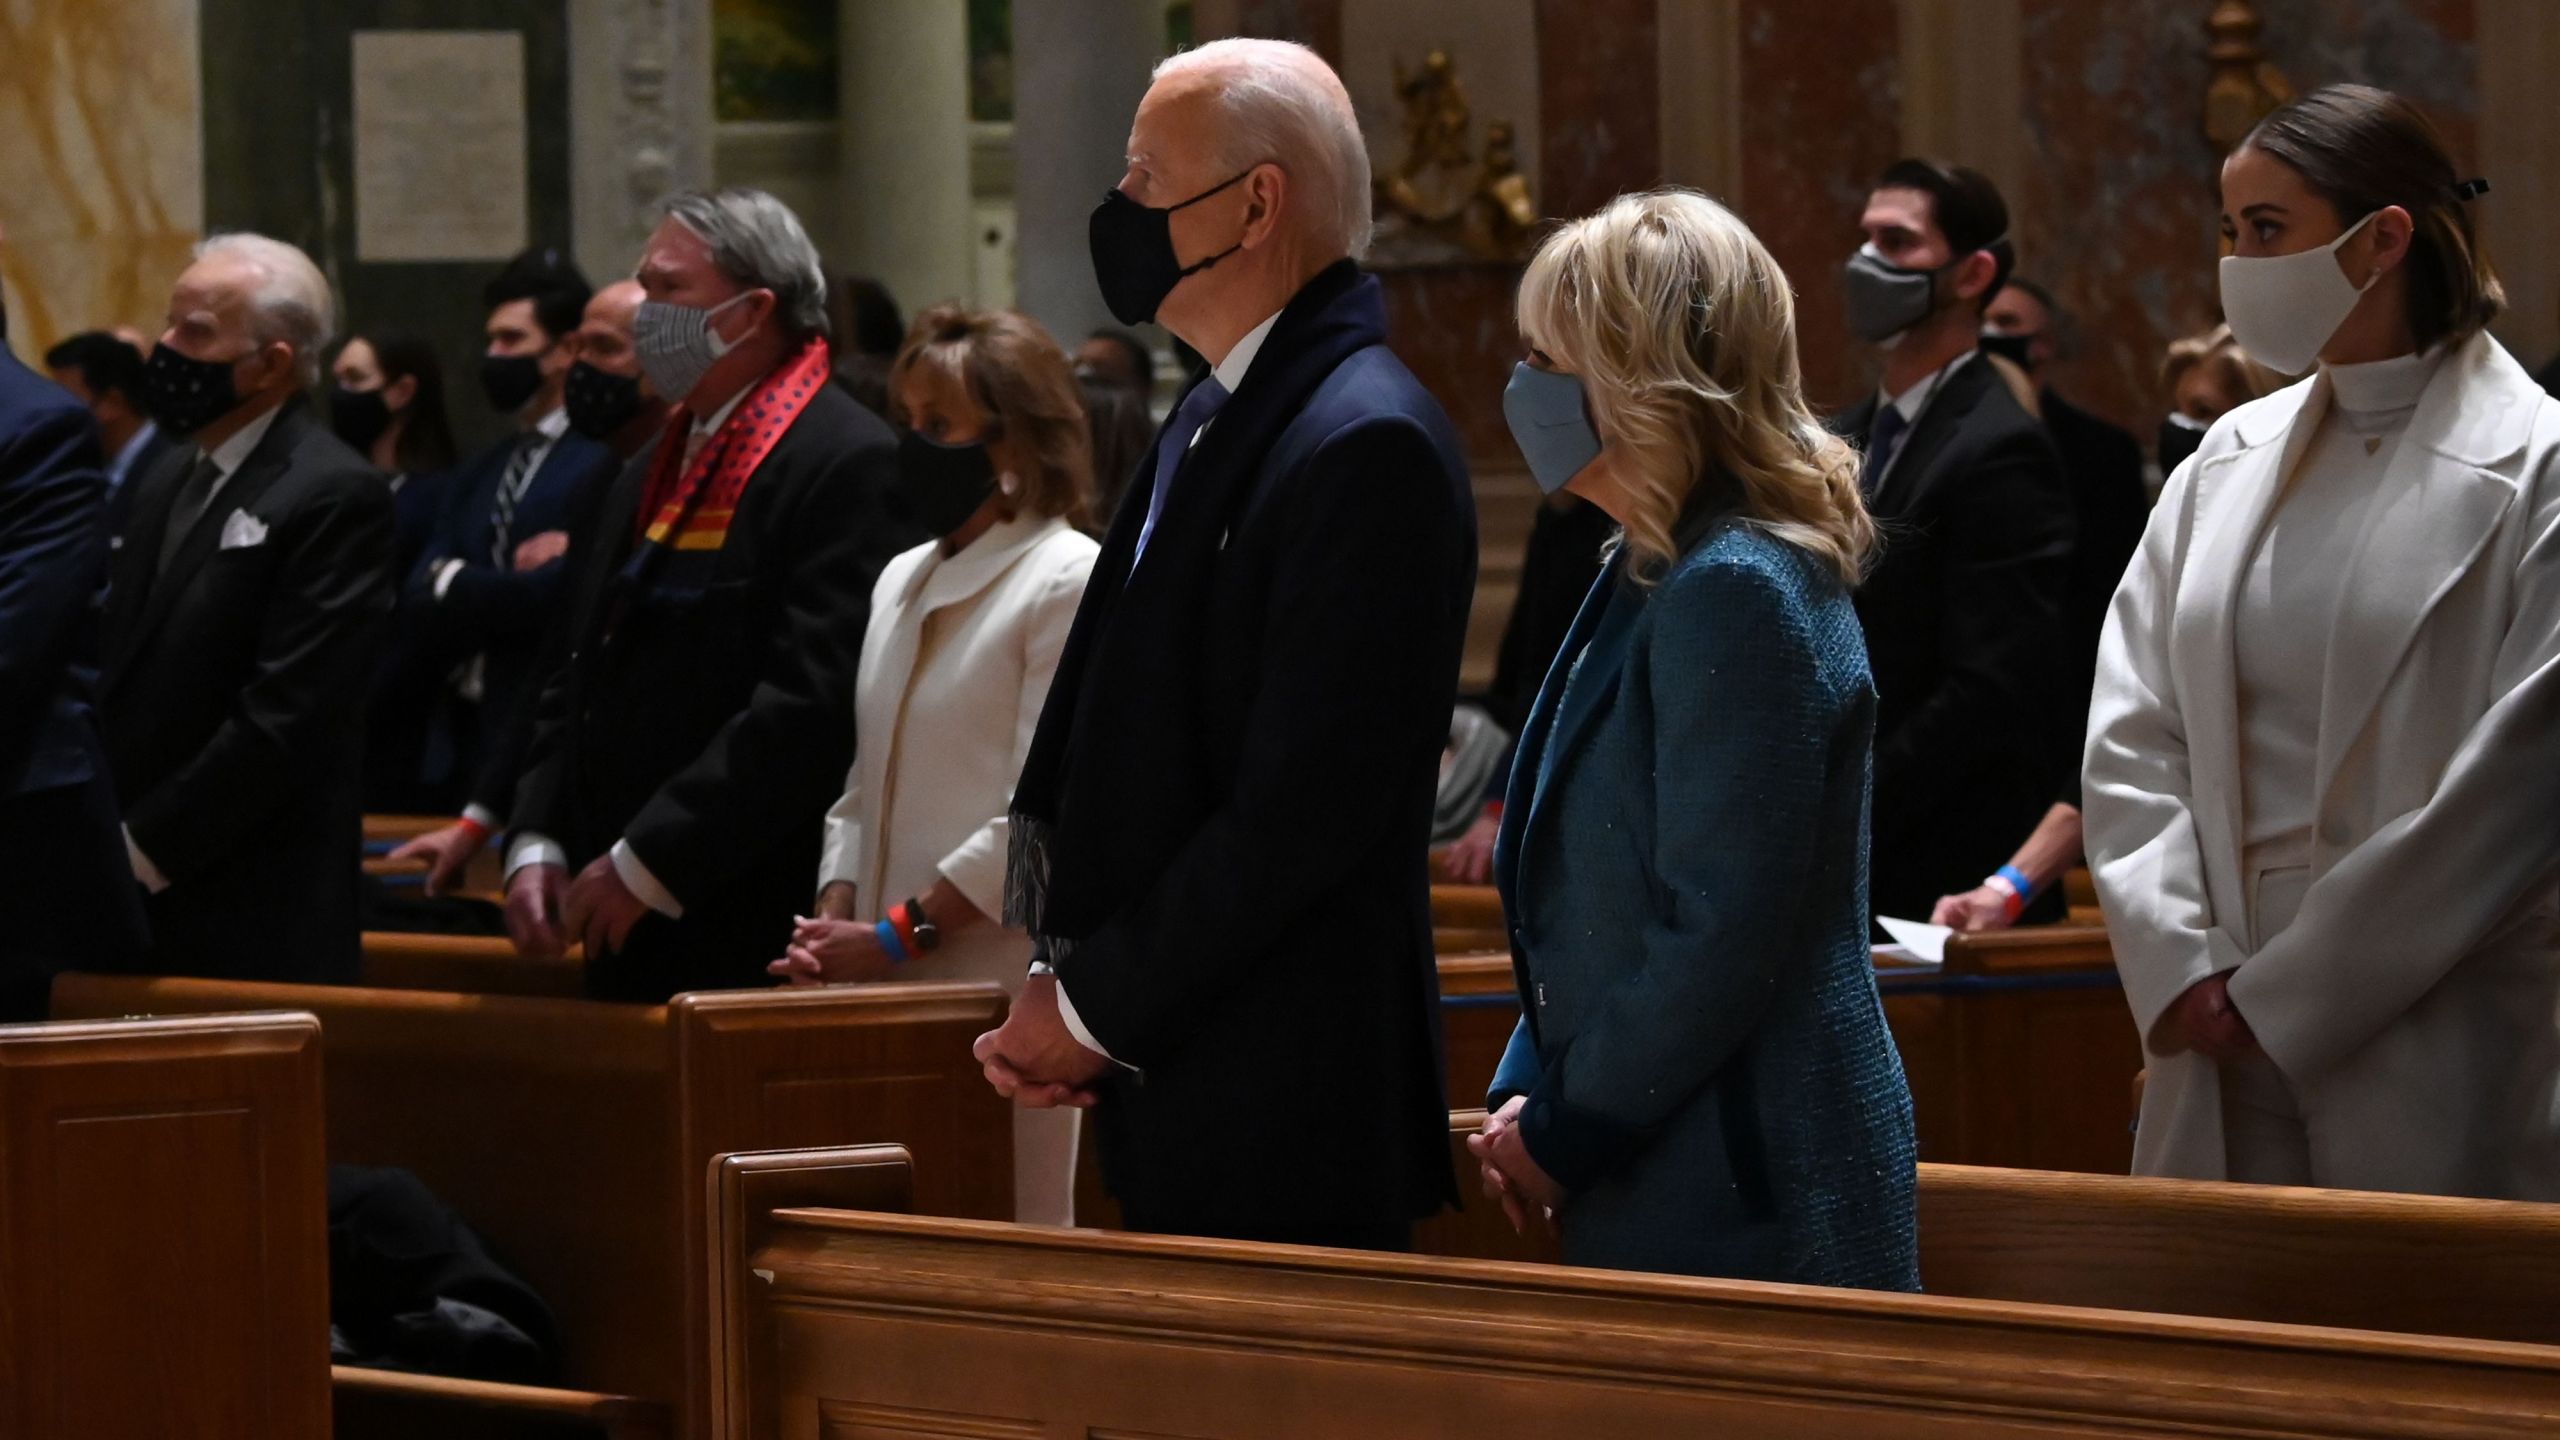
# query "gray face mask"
(1883, 299)
(1550, 420)
(677, 346)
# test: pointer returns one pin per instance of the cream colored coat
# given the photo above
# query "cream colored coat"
(956, 663)
(2414, 1003)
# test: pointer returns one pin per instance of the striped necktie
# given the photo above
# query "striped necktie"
(511, 488)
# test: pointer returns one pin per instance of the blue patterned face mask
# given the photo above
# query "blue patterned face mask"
(1550, 420)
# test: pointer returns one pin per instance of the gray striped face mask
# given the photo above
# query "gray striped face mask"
(677, 345)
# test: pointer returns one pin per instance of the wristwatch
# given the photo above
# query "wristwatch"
(928, 936)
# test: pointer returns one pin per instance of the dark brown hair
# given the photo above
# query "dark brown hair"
(1968, 210)
(2362, 149)
(1013, 369)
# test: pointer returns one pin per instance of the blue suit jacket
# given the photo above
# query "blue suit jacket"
(66, 891)
(1683, 858)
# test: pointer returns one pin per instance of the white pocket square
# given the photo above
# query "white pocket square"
(243, 530)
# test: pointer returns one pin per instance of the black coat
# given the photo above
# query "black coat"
(709, 720)
(1232, 785)
(2110, 510)
(67, 897)
(1965, 632)
(234, 701)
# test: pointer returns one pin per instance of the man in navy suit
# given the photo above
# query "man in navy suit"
(67, 898)
(105, 373)
(477, 604)
(1219, 841)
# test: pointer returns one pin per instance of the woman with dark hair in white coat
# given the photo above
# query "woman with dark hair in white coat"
(2323, 793)
(964, 636)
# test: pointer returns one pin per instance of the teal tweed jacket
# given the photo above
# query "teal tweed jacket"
(1683, 866)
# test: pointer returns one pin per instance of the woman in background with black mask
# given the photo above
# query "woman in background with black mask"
(386, 400)
(965, 633)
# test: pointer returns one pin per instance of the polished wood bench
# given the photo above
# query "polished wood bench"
(465, 964)
(852, 1323)
(163, 1230)
(576, 1135)
(2019, 1049)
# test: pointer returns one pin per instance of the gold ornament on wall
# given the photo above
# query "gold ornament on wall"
(2245, 86)
(1441, 197)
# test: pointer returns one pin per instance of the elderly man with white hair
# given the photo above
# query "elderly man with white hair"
(684, 756)
(253, 584)
(1219, 837)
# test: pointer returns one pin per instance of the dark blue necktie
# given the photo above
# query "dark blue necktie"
(1194, 412)
(1883, 438)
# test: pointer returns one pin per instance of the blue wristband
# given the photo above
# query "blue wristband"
(2018, 881)
(890, 942)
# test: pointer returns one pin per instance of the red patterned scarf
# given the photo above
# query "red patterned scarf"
(691, 511)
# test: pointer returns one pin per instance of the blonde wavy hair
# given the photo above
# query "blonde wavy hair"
(1682, 329)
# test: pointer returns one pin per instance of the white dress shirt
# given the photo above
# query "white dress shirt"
(1230, 373)
(227, 459)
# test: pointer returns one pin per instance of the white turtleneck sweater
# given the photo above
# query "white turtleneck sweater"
(2294, 592)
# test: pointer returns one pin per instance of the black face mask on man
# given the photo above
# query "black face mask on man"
(1133, 256)
(2016, 348)
(599, 402)
(184, 394)
(943, 485)
(510, 380)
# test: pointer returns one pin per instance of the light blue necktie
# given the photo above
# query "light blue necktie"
(1194, 412)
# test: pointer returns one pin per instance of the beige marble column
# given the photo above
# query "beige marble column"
(1963, 89)
(1701, 96)
(2520, 153)
(639, 120)
(903, 211)
(1079, 69)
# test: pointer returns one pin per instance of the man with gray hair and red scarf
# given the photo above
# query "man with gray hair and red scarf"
(685, 754)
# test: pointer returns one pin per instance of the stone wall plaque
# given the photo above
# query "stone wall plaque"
(440, 168)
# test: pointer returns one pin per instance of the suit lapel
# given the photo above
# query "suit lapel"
(2437, 515)
(1520, 791)
(267, 462)
(1944, 414)
(1587, 677)
(137, 560)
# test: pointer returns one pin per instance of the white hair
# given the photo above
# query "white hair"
(757, 241)
(1283, 105)
(290, 301)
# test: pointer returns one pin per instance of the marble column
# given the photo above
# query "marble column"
(904, 204)
(1699, 70)
(1963, 75)
(640, 120)
(1080, 67)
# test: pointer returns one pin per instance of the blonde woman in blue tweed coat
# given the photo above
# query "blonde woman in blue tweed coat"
(1702, 1081)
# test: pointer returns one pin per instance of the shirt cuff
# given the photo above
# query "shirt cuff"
(444, 576)
(533, 849)
(155, 882)
(1075, 1023)
(483, 817)
(637, 879)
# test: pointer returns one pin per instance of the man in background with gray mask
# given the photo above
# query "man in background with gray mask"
(685, 754)
(1964, 612)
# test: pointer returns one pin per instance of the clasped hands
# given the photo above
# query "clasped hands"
(1512, 1178)
(1033, 1060)
(2208, 1022)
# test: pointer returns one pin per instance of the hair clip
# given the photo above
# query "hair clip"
(2470, 189)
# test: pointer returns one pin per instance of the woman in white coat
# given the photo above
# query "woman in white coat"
(2323, 774)
(964, 636)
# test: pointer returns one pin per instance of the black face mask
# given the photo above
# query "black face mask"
(2179, 438)
(943, 485)
(1133, 256)
(359, 416)
(2016, 349)
(510, 380)
(185, 395)
(599, 401)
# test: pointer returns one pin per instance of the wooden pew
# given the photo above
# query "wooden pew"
(576, 1135)
(1467, 919)
(2019, 1049)
(465, 964)
(482, 879)
(836, 1322)
(163, 1231)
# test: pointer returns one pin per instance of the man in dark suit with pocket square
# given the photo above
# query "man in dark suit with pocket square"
(66, 898)
(252, 587)
(1964, 612)
(1220, 836)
